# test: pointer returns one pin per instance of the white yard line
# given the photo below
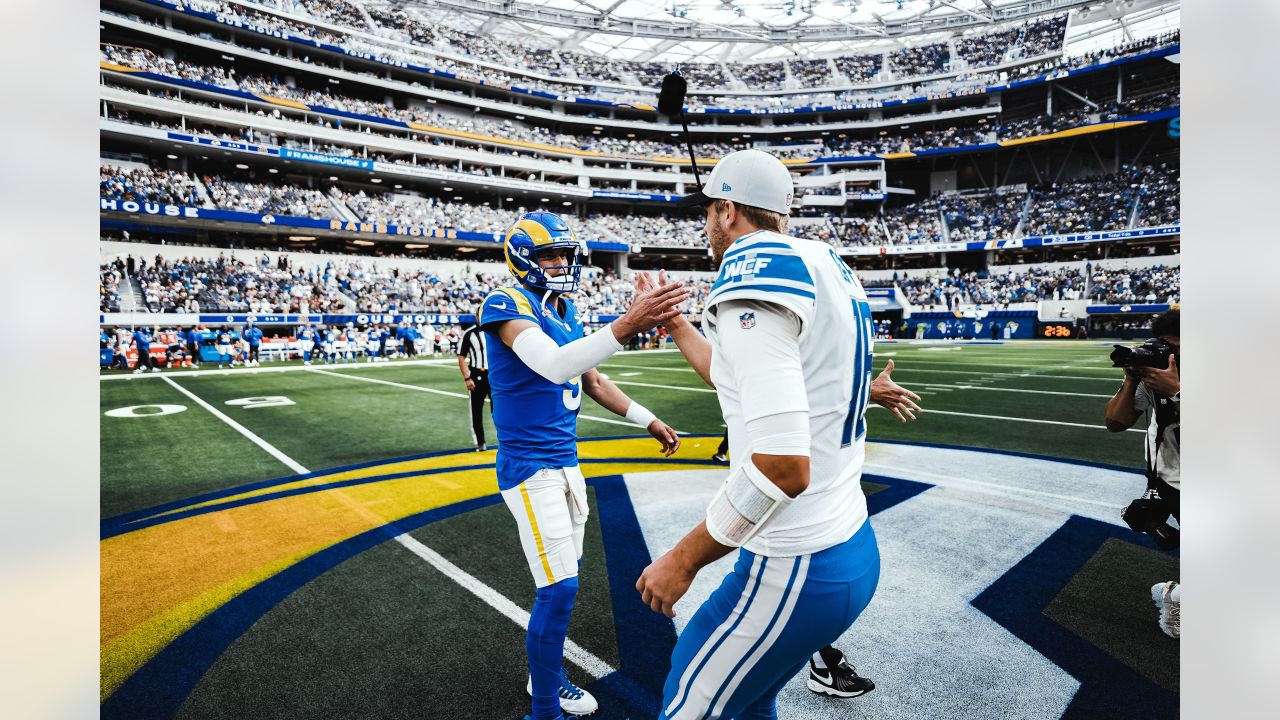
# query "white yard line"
(996, 488)
(348, 376)
(282, 369)
(667, 387)
(1017, 390)
(572, 651)
(271, 449)
(930, 411)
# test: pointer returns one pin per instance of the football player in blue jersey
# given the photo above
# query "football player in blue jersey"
(307, 342)
(254, 335)
(540, 364)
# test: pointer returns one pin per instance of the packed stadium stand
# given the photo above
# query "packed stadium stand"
(368, 129)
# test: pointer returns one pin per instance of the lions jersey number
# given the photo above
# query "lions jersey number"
(572, 396)
(854, 423)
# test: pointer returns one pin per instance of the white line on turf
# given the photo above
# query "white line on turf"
(664, 387)
(997, 488)
(573, 652)
(930, 411)
(271, 450)
(446, 393)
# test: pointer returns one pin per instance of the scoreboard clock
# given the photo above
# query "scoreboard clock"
(1057, 330)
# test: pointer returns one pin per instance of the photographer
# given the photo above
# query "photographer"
(1152, 383)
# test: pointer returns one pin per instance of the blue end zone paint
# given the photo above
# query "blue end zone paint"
(1012, 453)
(1108, 687)
(161, 685)
(896, 492)
(645, 638)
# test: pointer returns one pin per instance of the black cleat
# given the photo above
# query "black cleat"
(720, 458)
(841, 682)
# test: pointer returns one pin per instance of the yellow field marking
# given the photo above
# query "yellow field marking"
(158, 581)
(420, 464)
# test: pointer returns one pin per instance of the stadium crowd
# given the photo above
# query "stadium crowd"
(1158, 284)
(507, 129)
(435, 43)
(948, 291)
(1092, 204)
(347, 284)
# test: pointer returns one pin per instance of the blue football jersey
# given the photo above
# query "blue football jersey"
(537, 420)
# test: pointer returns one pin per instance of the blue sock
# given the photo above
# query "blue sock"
(306, 356)
(548, 626)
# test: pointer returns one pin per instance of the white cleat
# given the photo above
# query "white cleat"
(1170, 609)
(573, 699)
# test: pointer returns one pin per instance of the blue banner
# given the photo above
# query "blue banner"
(631, 195)
(323, 159)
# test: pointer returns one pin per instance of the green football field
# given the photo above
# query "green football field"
(1042, 398)
(246, 568)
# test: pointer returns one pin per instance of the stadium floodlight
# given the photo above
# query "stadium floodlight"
(273, 171)
(375, 180)
(302, 238)
(242, 166)
(447, 189)
(334, 178)
(171, 156)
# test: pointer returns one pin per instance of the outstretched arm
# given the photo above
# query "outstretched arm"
(561, 363)
(611, 398)
(695, 348)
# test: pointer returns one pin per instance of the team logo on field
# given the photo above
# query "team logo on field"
(747, 320)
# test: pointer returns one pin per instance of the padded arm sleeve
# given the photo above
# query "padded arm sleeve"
(561, 363)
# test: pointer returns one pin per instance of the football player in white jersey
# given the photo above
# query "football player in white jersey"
(788, 349)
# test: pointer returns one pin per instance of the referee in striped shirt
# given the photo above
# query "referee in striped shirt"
(473, 361)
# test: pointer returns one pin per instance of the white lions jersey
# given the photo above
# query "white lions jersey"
(807, 278)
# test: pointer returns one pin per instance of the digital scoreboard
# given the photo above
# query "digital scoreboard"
(1056, 330)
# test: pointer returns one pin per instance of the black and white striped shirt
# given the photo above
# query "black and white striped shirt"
(474, 347)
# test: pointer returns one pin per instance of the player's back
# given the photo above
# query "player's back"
(836, 337)
(536, 419)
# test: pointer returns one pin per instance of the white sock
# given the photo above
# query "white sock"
(1176, 595)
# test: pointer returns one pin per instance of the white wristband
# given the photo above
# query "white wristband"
(640, 414)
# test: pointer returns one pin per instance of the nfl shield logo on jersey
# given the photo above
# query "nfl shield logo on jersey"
(747, 320)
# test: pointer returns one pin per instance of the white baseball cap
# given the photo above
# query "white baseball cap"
(747, 177)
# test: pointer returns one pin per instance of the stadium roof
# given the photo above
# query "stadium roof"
(759, 30)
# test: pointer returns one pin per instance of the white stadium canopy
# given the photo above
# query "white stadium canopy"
(770, 30)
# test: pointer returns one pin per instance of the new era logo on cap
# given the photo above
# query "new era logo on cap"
(747, 177)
